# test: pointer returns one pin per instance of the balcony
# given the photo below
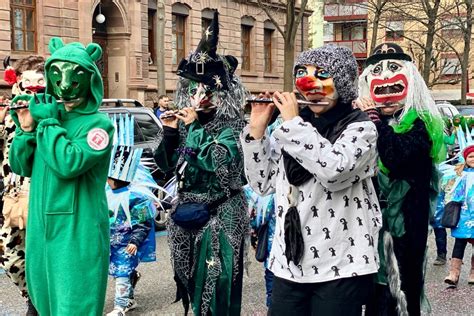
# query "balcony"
(358, 47)
(339, 12)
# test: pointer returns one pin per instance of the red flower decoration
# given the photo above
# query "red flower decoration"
(10, 75)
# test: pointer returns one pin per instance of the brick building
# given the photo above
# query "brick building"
(128, 36)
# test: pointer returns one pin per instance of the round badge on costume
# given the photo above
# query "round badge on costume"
(98, 139)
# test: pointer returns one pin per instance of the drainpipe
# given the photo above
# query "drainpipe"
(160, 46)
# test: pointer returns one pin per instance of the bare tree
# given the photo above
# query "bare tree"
(377, 8)
(293, 17)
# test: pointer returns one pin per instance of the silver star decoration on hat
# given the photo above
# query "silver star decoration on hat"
(217, 81)
(210, 263)
(208, 32)
(202, 57)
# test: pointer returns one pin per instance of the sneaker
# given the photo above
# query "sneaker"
(132, 304)
(440, 261)
(117, 311)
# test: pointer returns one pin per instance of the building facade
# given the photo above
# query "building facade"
(128, 38)
(350, 23)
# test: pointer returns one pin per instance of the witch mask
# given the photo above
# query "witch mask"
(201, 95)
(388, 82)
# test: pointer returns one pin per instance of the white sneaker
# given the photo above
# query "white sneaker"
(132, 304)
(117, 311)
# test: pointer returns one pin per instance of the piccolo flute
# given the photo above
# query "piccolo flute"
(22, 104)
(300, 102)
(172, 115)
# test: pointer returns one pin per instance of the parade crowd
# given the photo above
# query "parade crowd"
(336, 185)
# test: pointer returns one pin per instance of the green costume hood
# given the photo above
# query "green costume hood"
(84, 56)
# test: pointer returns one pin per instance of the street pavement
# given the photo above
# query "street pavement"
(156, 290)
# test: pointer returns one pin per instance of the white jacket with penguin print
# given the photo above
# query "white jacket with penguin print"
(338, 208)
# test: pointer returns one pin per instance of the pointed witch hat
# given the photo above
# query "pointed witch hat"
(205, 65)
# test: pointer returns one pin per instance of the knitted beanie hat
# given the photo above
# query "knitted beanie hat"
(341, 65)
(469, 149)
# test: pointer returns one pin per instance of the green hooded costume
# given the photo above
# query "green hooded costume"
(67, 157)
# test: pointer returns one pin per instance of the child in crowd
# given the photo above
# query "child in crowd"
(132, 211)
(463, 193)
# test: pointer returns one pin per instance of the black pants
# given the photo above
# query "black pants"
(343, 297)
(441, 241)
(459, 247)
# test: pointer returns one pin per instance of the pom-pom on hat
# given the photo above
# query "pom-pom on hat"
(469, 149)
(205, 65)
(341, 65)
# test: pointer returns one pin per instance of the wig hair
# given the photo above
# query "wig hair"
(230, 103)
(418, 97)
(33, 62)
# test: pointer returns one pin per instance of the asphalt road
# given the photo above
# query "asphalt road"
(155, 291)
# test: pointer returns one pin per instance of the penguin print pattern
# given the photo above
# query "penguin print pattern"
(335, 215)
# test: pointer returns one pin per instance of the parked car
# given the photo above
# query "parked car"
(466, 110)
(447, 109)
(147, 130)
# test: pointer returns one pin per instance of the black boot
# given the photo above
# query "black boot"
(31, 309)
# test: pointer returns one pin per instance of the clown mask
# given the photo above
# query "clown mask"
(31, 82)
(70, 83)
(388, 83)
(201, 96)
(316, 85)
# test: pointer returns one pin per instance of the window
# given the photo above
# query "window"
(394, 31)
(267, 49)
(246, 30)
(151, 37)
(23, 25)
(353, 32)
(180, 13)
(178, 38)
(452, 27)
(328, 31)
(450, 66)
(147, 125)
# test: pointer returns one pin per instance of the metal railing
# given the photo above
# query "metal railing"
(357, 46)
(331, 10)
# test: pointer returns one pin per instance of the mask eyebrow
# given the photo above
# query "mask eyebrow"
(298, 68)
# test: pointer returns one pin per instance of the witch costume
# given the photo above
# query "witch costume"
(206, 252)
(409, 144)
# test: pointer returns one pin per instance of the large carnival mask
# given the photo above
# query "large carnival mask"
(31, 82)
(388, 82)
(201, 95)
(315, 84)
(70, 82)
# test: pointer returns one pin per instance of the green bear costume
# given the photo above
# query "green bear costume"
(67, 157)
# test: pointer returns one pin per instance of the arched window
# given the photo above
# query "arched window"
(23, 25)
(180, 13)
